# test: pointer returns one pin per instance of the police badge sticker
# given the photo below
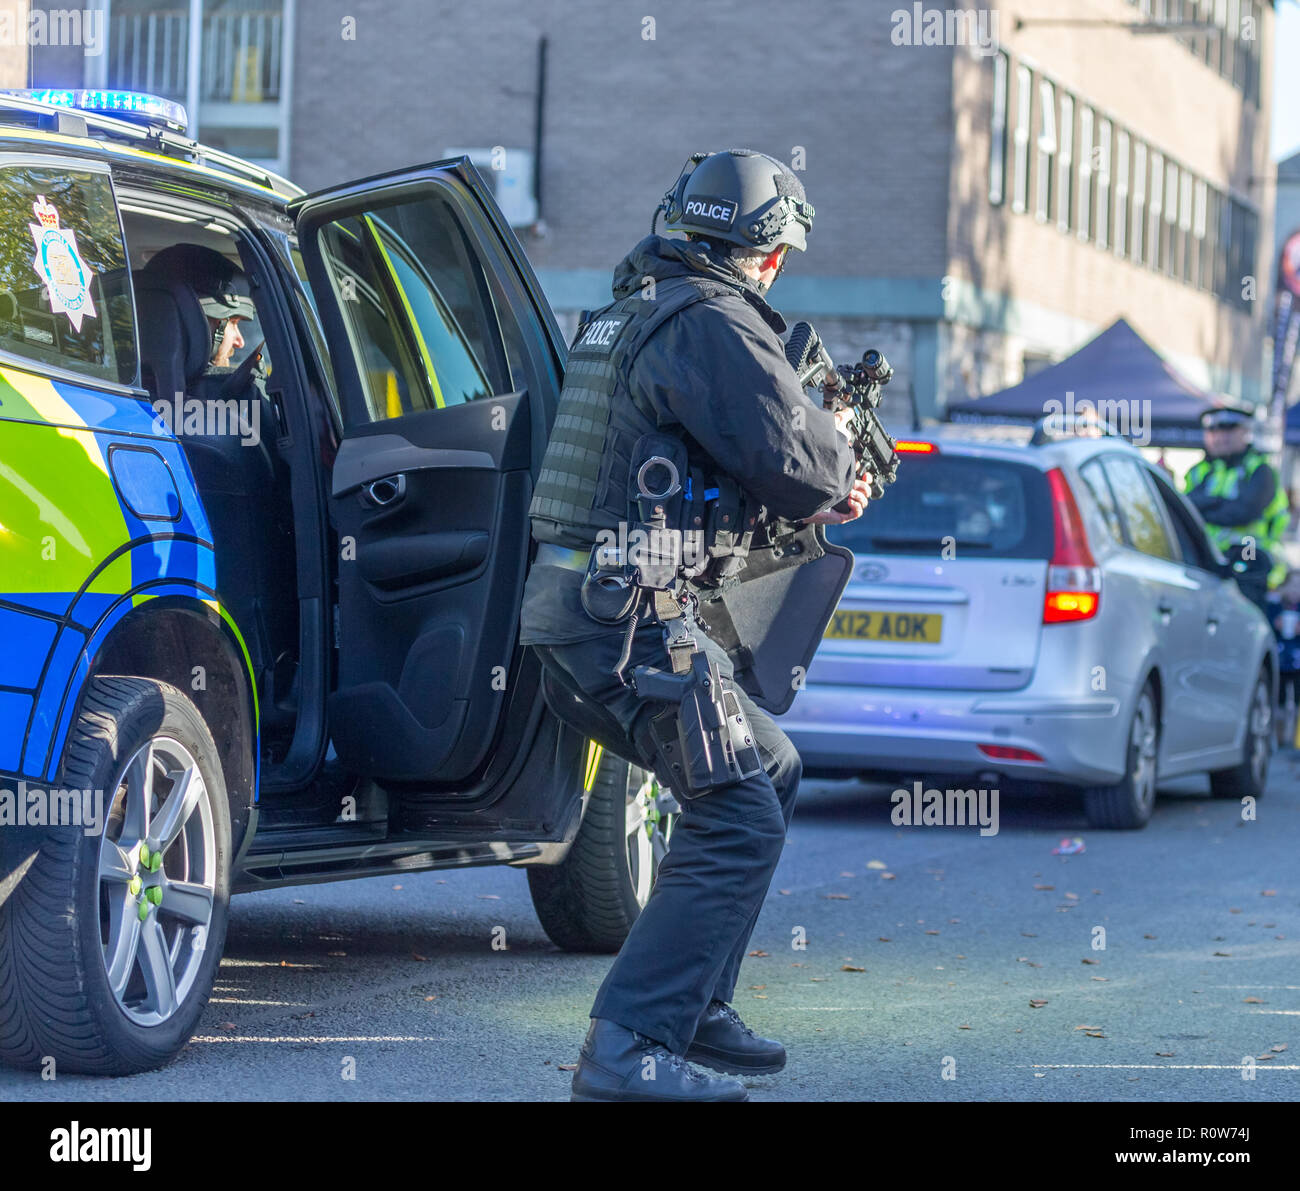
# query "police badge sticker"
(58, 262)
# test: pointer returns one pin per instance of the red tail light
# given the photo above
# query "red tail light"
(1004, 752)
(1073, 578)
(908, 446)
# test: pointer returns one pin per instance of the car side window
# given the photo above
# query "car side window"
(1093, 476)
(1143, 522)
(65, 293)
(417, 306)
(1191, 537)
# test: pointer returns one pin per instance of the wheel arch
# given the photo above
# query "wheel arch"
(192, 645)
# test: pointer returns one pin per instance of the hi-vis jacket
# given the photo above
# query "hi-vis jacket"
(1239, 497)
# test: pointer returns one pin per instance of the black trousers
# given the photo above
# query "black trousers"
(686, 946)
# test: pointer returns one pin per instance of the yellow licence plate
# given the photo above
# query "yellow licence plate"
(910, 627)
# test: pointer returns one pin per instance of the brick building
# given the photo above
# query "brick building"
(992, 186)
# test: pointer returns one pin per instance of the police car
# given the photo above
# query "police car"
(260, 635)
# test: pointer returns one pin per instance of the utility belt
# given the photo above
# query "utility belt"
(682, 528)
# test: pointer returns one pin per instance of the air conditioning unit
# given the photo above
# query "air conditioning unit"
(510, 174)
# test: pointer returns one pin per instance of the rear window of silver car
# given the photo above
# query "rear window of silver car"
(947, 505)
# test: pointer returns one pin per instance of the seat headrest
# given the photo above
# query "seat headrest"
(175, 337)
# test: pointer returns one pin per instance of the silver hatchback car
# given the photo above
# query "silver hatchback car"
(1051, 612)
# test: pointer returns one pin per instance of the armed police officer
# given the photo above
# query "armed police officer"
(1244, 506)
(680, 410)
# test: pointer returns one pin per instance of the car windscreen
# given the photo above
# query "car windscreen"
(955, 506)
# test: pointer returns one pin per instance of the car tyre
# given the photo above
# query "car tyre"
(95, 973)
(1248, 778)
(1129, 802)
(590, 900)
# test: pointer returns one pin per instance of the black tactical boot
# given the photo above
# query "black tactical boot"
(722, 1041)
(613, 1066)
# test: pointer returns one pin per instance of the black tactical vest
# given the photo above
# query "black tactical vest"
(583, 486)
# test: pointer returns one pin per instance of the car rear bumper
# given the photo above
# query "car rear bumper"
(854, 729)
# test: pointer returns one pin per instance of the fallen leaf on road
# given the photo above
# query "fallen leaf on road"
(817, 979)
(932, 932)
(227, 1025)
(848, 874)
(1090, 961)
(1094, 1034)
(1148, 936)
(1278, 1047)
(336, 953)
(1224, 954)
(757, 987)
(1036, 1004)
(876, 864)
(963, 1027)
(489, 897)
(851, 968)
(416, 955)
(431, 998)
(837, 897)
(1074, 897)
(1251, 1001)
(397, 887)
(1268, 893)
(1087, 1027)
(1164, 1054)
(760, 996)
(297, 901)
(1029, 934)
(567, 1067)
(1233, 910)
(1024, 959)
(887, 877)
(883, 939)
(1264, 1058)
(1102, 979)
(1044, 886)
(784, 892)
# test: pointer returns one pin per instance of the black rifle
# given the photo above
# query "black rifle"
(856, 387)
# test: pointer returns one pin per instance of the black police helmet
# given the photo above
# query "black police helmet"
(741, 196)
(221, 286)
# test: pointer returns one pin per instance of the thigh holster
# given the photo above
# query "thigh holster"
(700, 737)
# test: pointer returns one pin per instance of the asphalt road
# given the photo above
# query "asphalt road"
(956, 947)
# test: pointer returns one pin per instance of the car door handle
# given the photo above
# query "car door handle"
(1212, 625)
(1165, 610)
(385, 492)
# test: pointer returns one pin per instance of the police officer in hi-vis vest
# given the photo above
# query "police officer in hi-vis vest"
(1241, 499)
(681, 387)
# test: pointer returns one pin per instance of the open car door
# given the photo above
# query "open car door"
(447, 361)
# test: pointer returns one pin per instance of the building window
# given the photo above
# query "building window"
(1170, 248)
(1155, 254)
(1121, 193)
(1085, 173)
(1198, 234)
(1103, 183)
(1185, 226)
(1139, 202)
(1024, 97)
(1065, 166)
(998, 131)
(1046, 149)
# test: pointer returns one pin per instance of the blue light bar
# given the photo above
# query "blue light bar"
(128, 105)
